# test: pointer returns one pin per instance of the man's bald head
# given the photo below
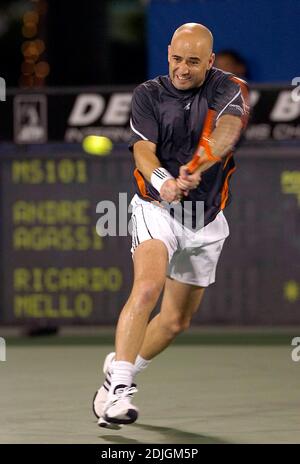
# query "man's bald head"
(190, 55)
(198, 32)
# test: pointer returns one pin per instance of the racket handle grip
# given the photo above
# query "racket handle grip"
(194, 164)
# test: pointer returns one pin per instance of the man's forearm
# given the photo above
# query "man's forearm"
(225, 135)
(146, 161)
(149, 165)
(221, 142)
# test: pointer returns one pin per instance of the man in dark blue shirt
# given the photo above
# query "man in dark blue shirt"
(184, 128)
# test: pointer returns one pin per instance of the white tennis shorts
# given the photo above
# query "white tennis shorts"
(193, 256)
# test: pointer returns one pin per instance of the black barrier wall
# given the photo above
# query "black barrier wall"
(56, 268)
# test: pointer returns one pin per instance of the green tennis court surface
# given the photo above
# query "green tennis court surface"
(229, 393)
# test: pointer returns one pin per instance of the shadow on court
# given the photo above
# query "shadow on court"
(168, 435)
(210, 394)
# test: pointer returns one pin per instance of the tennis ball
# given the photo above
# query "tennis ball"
(97, 145)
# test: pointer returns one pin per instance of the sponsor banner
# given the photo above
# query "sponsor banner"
(275, 115)
(68, 116)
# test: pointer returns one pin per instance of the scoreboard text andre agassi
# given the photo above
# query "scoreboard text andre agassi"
(56, 266)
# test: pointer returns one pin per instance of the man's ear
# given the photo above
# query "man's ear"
(169, 53)
(211, 61)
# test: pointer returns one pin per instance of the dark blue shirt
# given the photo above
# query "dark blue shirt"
(173, 120)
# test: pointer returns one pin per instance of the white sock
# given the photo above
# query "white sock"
(140, 364)
(122, 373)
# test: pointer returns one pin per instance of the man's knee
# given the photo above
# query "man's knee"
(175, 325)
(146, 293)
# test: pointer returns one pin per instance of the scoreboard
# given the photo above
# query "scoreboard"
(56, 267)
(258, 280)
(54, 264)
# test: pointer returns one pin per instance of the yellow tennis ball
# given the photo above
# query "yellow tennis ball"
(97, 145)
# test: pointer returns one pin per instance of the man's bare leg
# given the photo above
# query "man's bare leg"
(150, 267)
(112, 403)
(180, 302)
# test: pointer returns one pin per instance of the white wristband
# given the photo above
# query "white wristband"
(159, 177)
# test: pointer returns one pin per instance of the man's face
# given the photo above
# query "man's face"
(189, 60)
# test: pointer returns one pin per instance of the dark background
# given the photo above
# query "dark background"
(108, 42)
(93, 43)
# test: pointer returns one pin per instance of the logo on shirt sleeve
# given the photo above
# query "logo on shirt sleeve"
(237, 107)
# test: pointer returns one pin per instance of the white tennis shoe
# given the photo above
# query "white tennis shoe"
(101, 395)
(118, 409)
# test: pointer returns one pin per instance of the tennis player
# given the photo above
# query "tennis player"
(174, 165)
